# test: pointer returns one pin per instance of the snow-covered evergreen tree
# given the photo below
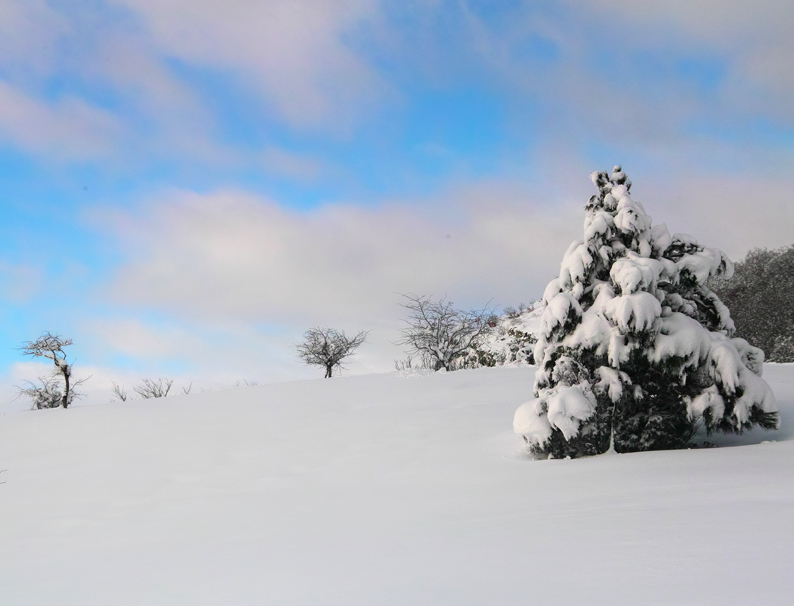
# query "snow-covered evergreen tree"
(634, 351)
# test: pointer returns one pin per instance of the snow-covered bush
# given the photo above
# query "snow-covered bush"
(634, 350)
(44, 394)
(511, 340)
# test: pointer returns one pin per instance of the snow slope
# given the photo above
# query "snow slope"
(380, 490)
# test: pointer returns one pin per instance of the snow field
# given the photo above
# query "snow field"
(380, 490)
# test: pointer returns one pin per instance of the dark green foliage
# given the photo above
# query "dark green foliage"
(645, 418)
(784, 348)
(761, 299)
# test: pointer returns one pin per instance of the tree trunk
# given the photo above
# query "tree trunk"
(65, 399)
(328, 370)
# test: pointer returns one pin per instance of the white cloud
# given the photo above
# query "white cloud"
(65, 129)
(87, 51)
(136, 338)
(292, 51)
(29, 32)
(719, 20)
(207, 353)
(294, 56)
(234, 278)
(733, 213)
(754, 36)
(232, 254)
(288, 164)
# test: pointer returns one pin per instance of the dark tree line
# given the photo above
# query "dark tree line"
(760, 296)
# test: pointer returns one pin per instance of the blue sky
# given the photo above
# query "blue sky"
(187, 186)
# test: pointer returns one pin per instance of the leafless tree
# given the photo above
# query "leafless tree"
(47, 394)
(153, 389)
(439, 333)
(327, 347)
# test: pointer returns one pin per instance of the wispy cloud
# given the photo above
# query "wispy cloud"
(68, 128)
(293, 52)
(297, 166)
(233, 254)
(29, 35)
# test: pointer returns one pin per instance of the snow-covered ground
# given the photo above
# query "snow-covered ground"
(380, 490)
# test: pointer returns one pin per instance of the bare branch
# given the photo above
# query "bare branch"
(154, 389)
(243, 383)
(119, 391)
(440, 333)
(47, 345)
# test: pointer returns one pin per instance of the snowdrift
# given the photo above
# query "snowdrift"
(380, 489)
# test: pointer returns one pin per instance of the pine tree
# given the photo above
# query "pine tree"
(635, 352)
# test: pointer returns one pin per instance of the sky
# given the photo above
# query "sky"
(186, 187)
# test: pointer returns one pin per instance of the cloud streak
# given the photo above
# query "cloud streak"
(292, 51)
(68, 128)
(234, 254)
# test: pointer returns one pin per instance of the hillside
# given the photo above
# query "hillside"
(376, 490)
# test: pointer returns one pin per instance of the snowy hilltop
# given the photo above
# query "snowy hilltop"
(634, 351)
(377, 489)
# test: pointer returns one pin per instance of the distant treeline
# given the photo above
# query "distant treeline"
(761, 299)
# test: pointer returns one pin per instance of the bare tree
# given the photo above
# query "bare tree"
(439, 334)
(48, 393)
(154, 389)
(327, 347)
